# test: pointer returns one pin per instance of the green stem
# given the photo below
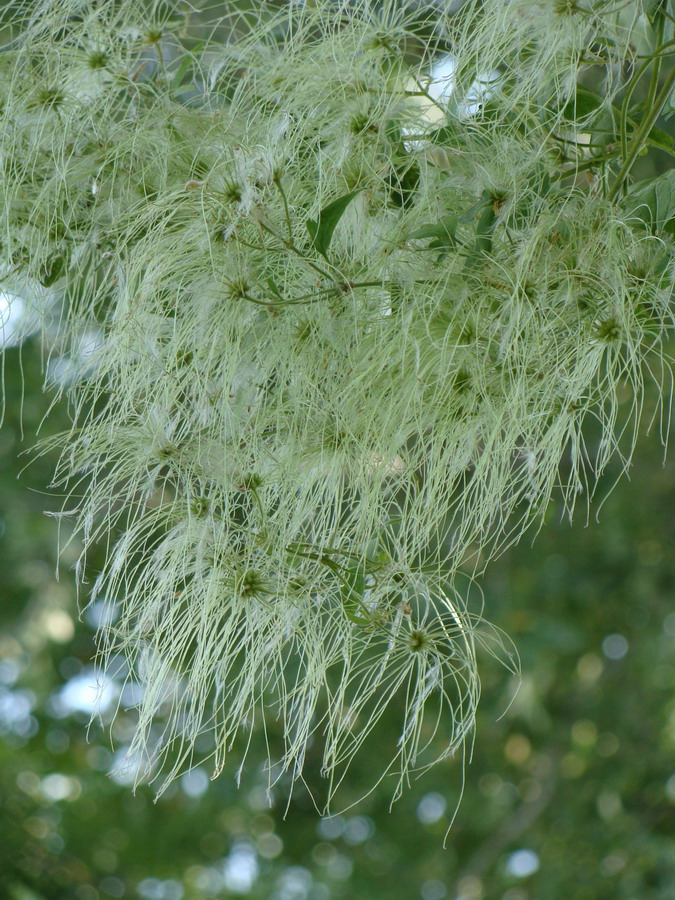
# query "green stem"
(330, 564)
(311, 297)
(654, 58)
(664, 49)
(264, 303)
(289, 245)
(584, 166)
(361, 284)
(286, 212)
(643, 133)
(247, 244)
(424, 93)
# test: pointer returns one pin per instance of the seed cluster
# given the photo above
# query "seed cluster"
(301, 420)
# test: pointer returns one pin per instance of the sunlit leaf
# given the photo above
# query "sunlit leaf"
(652, 201)
(321, 230)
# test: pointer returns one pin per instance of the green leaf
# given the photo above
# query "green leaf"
(443, 230)
(604, 41)
(446, 135)
(321, 230)
(584, 104)
(470, 213)
(483, 244)
(353, 585)
(53, 270)
(661, 139)
(652, 202)
(443, 234)
(179, 76)
(484, 230)
(655, 8)
(275, 290)
(657, 136)
(402, 182)
(393, 133)
(352, 581)
(404, 176)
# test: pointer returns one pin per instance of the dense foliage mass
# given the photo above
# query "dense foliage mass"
(327, 332)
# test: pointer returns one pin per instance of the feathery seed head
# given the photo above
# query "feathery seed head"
(428, 298)
(98, 59)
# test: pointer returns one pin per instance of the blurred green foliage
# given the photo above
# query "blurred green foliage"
(571, 791)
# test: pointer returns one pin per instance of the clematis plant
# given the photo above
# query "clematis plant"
(344, 327)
